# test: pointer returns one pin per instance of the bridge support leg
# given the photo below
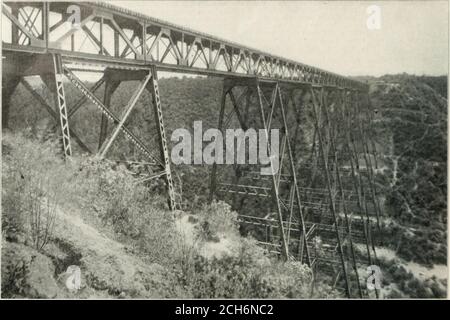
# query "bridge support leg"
(149, 82)
(352, 158)
(110, 87)
(317, 101)
(8, 87)
(294, 188)
(164, 150)
(268, 103)
(213, 179)
(334, 152)
(54, 82)
(61, 104)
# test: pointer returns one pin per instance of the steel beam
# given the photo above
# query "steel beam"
(153, 87)
(110, 87)
(131, 104)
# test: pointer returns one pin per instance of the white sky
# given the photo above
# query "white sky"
(331, 35)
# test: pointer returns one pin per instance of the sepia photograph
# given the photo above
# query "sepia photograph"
(198, 150)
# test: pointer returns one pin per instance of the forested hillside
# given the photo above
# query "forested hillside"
(411, 127)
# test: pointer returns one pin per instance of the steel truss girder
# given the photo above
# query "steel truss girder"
(154, 41)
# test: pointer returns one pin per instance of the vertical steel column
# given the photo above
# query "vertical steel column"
(116, 44)
(45, 22)
(330, 193)
(367, 162)
(110, 87)
(243, 125)
(353, 146)
(369, 110)
(213, 182)
(101, 36)
(342, 194)
(60, 102)
(154, 89)
(356, 184)
(14, 27)
(276, 196)
(294, 177)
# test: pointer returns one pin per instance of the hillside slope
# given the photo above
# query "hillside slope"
(411, 135)
(89, 214)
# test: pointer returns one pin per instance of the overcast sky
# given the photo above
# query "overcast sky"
(413, 37)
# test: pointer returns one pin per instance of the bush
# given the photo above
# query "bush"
(250, 274)
(37, 183)
(217, 218)
(14, 279)
(29, 194)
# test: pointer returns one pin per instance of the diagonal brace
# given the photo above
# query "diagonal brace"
(104, 149)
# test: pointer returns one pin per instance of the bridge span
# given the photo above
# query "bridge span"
(324, 199)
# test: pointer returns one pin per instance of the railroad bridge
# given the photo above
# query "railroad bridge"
(323, 207)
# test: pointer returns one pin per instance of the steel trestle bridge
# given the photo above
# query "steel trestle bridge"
(323, 205)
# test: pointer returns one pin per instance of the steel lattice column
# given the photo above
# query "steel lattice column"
(316, 106)
(54, 82)
(334, 151)
(164, 151)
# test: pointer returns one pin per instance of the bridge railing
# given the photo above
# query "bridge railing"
(98, 30)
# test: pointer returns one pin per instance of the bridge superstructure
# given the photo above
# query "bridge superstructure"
(330, 196)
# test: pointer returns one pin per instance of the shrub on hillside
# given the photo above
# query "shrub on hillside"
(30, 194)
(36, 183)
(217, 218)
(249, 274)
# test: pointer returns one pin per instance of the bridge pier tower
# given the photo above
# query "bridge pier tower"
(55, 72)
(247, 98)
(319, 186)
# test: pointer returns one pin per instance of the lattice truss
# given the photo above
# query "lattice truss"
(116, 33)
(321, 207)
